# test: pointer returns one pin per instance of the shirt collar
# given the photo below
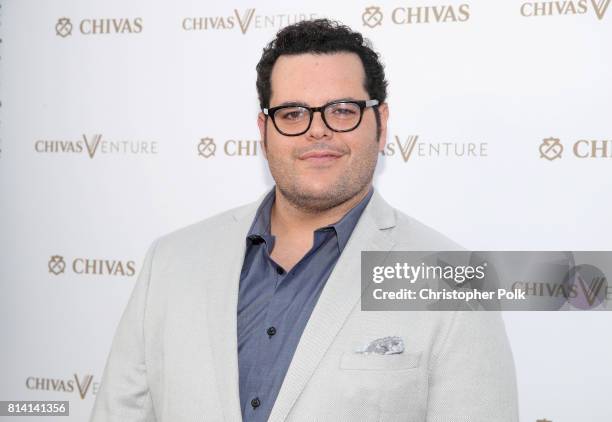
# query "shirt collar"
(261, 224)
(343, 227)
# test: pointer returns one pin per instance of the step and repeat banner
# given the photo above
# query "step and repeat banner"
(121, 121)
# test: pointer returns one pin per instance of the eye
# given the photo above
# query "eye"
(343, 110)
(294, 113)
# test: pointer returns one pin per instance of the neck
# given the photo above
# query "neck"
(287, 218)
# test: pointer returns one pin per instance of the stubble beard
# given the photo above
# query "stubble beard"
(342, 190)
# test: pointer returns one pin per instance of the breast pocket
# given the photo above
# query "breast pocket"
(374, 362)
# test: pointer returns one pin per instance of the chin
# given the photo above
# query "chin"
(317, 190)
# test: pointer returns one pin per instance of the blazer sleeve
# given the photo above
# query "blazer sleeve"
(473, 378)
(124, 393)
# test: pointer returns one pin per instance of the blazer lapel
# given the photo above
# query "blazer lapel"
(221, 310)
(340, 295)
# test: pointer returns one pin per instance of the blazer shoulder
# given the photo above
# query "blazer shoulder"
(210, 229)
(414, 234)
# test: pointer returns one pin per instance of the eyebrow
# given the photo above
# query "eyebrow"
(303, 104)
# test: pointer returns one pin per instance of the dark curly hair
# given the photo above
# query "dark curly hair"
(322, 36)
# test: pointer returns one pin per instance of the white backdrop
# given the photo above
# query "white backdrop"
(110, 111)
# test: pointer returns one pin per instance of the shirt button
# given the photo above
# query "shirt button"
(271, 331)
(280, 270)
(255, 402)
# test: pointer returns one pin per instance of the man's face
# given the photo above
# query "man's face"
(322, 168)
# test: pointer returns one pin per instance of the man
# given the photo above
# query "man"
(255, 314)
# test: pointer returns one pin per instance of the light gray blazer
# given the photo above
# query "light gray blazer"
(174, 355)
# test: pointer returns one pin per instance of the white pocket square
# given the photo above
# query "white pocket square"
(383, 346)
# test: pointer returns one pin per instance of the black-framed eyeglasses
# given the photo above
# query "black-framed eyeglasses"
(339, 116)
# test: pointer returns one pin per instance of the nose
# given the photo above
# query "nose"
(318, 129)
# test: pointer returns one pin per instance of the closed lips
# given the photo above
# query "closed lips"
(320, 154)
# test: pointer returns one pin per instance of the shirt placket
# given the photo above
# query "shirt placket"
(268, 344)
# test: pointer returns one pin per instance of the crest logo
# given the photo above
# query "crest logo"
(63, 27)
(372, 16)
(56, 265)
(207, 147)
(551, 149)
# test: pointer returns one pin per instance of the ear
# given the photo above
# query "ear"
(383, 110)
(261, 123)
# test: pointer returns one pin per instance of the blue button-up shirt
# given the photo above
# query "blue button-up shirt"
(274, 305)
